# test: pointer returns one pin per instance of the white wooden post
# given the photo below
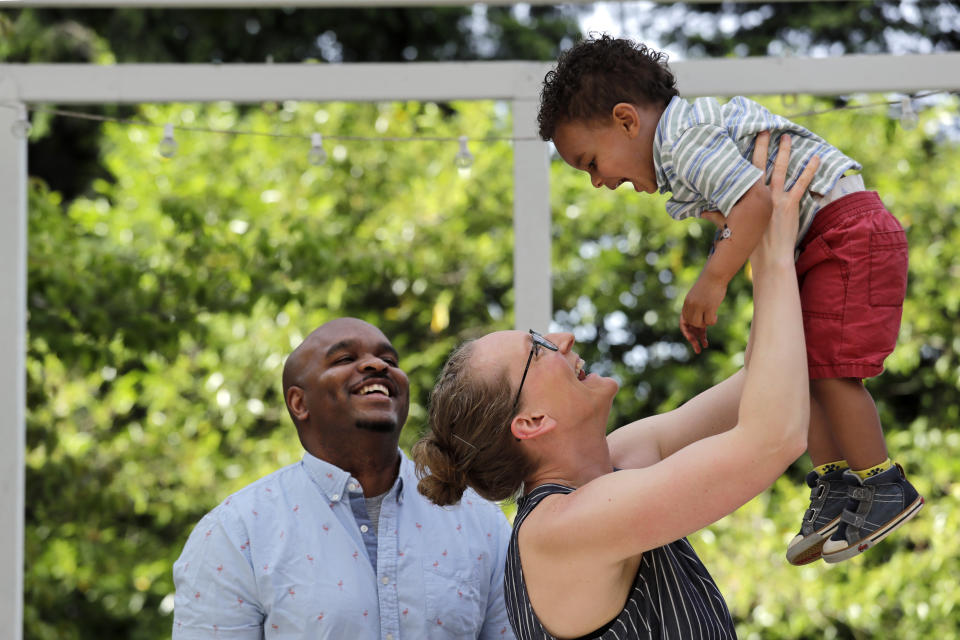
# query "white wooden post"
(532, 284)
(13, 328)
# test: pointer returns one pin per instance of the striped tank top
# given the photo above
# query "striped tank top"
(673, 596)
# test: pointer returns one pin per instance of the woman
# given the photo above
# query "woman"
(601, 554)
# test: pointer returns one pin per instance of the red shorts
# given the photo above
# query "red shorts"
(852, 271)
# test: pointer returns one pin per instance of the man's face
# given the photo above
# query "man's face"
(352, 380)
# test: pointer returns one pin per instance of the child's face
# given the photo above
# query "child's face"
(612, 152)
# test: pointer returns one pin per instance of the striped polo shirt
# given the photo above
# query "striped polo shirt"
(702, 153)
(673, 596)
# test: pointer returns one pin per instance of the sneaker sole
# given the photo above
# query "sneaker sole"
(875, 537)
(808, 549)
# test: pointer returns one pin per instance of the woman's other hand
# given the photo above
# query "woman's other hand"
(780, 237)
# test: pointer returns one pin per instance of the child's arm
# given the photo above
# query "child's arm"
(744, 225)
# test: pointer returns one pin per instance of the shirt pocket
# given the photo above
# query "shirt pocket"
(454, 606)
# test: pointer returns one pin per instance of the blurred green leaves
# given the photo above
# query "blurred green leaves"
(163, 301)
(162, 306)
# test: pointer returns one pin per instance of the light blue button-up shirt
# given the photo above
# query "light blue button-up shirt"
(294, 555)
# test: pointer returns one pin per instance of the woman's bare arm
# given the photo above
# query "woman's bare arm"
(700, 479)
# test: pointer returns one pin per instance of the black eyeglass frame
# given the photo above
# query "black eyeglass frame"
(538, 341)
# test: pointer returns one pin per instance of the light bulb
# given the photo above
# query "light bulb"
(168, 146)
(21, 126)
(908, 117)
(463, 159)
(317, 155)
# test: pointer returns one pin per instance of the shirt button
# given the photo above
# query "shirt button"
(389, 636)
(385, 580)
(352, 487)
(335, 497)
(364, 528)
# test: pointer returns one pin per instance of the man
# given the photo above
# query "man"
(341, 546)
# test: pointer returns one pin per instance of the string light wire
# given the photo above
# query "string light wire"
(461, 140)
(66, 113)
(21, 126)
(866, 105)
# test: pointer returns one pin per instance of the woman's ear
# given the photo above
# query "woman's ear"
(626, 116)
(531, 425)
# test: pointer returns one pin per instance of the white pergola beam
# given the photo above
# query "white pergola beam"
(354, 82)
(842, 75)
(359, 82)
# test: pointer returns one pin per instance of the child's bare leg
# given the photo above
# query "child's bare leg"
(820, 443)
(828, 497)
(853, 422)
(880, 498)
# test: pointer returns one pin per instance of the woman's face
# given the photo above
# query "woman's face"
(556, 382)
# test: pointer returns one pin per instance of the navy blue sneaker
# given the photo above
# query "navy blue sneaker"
(828, 497)
(876, 507)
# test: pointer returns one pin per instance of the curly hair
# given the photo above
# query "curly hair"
(469, 443)
(598, 73)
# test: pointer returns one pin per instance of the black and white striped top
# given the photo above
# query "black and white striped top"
(673, 595)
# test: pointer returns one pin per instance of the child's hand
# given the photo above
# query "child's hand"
(700, 310)
(717, 218)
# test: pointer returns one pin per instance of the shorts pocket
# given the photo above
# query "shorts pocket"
(888, 268)
(823, 278)
(453, 602)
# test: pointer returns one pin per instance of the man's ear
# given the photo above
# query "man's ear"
(296, 402)
(531, 425)
(627, 118)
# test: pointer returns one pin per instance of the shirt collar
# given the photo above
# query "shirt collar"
(332, 480)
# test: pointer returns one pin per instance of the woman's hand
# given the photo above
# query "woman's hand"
(780, 237)
(775, 360)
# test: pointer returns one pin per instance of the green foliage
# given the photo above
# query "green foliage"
(290, 34)
(618, 254)
(903, 588)
(162, 307)
(164, 294)
(802, 28)
(622, 268)
(67, 159)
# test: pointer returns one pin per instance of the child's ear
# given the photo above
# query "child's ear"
(531, 425)
(627, 117)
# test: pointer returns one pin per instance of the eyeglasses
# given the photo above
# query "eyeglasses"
(538, 341)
